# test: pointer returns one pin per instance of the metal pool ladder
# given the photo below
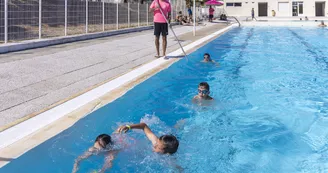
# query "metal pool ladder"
(231, 17)
(235, 19)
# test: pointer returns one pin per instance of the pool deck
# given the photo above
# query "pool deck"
(35, 80)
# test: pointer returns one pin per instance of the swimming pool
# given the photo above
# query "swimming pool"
(270, 113)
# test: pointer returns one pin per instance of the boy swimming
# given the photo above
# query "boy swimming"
(322, 24)
(207, 58)
(102, 144)
(203, 92)
(166, 144)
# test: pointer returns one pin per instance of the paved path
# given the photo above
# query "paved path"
(33, 80)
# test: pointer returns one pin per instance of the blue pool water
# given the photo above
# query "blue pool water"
(270, 112)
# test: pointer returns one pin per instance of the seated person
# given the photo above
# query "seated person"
(322, 24)
(182, 20)
(186, 21)
(179, 16)
(102, 144)
(223, 17)
(203, 92)
(166, 144)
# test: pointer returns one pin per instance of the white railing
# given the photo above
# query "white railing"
(37, 19)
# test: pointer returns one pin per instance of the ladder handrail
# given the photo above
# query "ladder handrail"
(235, 19)
(232, 17)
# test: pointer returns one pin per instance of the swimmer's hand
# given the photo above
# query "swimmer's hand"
(75, 167)
(142, 126)
(85, 155)
(122, 129)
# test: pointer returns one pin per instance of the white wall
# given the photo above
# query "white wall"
(247, 5)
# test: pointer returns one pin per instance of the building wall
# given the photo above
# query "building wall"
(247, 5)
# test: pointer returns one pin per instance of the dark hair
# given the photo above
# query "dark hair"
(171, 144)
(104, 140)
(204, 84)
(207, 54)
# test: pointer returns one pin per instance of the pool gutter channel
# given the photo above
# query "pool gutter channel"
(42, 127)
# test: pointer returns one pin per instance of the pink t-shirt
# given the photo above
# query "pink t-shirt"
(211, 10)
(166, 8)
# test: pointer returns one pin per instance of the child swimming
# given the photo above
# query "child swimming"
(207, 58)
(203, 92)
(102, 144)
(166, 144)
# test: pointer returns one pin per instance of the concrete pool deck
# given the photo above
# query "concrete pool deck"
(33, 139)
(36, 79)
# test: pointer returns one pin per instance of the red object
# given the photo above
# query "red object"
(214, 3)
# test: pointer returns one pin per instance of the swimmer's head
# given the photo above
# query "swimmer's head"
(322, 22)
(203, 89)
(103, 141)
(166, 144)
(207, 57)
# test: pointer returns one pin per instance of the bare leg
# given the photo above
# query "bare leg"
(164, 45)
(157, 45)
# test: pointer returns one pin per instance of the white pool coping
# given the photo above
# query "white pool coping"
(19, 131)
(281, 24)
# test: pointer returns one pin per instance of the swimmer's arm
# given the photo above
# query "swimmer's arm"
(173, 163)
(195, 99)
(108, 161)
(86, 155)
(179, 168)
(150, 135)
(143, 126)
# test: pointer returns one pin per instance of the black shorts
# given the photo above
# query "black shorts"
(211, 16)
(161, 28)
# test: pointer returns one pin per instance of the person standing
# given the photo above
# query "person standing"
(253, 13)
(211, 12)
(273, 13)
(190, 12)
(160, 24)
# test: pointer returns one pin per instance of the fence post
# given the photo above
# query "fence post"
(184, 8)
(176, 9)
(103, 15)
(40, 19)
(65, 17)
(138, 14)
(147, 14)
(86, 15)
(117, 15)
(6, 21)
(128, 14)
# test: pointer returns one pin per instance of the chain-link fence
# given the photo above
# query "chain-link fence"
(37, 19)
(53, 18)
(2, 21)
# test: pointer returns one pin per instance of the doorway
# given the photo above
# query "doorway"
(320, 8)
(263, 9)
(298, 8)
